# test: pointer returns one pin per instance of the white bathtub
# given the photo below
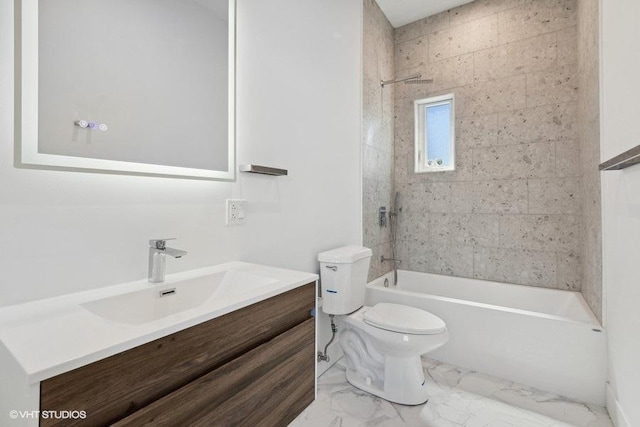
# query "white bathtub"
(544, 338)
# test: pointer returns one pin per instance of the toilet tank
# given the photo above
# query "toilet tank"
(343, 278)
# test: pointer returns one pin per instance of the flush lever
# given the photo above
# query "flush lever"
(332, 267)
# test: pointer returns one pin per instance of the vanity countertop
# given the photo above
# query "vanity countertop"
(55, 335)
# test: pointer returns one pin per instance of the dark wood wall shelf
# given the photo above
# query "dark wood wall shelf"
(628, 158)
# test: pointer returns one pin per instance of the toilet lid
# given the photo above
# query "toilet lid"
(402, 318)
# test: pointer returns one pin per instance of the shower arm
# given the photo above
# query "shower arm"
(415, 79)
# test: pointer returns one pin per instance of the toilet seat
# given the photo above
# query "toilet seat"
(404, 319)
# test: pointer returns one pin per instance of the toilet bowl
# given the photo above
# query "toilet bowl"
(383, 343)
(382, 346)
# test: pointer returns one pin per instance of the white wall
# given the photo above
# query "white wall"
(298, 108)
(621, 206)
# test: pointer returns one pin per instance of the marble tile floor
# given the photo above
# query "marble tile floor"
(458, 397)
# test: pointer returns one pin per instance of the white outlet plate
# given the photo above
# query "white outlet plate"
(236, 211)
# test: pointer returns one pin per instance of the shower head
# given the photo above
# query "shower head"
(414, 80)
(418, 81)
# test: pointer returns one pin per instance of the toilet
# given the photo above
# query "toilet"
(383, 343)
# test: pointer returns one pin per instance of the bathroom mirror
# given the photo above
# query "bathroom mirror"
(126, 86)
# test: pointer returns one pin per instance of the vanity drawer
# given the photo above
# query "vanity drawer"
(115, 387)
(268, 386)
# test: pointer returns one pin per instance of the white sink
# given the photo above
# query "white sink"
(173, 297)
(83, 327)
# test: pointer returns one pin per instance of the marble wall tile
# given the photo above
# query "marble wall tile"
(378, 128)
(422, 27)
(557, 233)
(446, 74)
(369, 197)
(448, 260)
(372, 93)
(569, 271)
(463, 196)
(491, 96)
(552, 86)
(544, 123)
(402, 168)
(477, 131)
(470, 37)
(447, 229)
(372, 234)
(370, 161)
(376, 267)
(404, 171)
(463, 171)
(437, 22)
(409, 31)
(369, 57)
(523, 267)
(514, 161)
(477, 230)
(384, 194)
(432, 196)
(517, 150)
(591, 255)
(567, 46)
(403, 122)
(413, 223)
(385, 166)
(520, 57)
(411, 54)
(536, 17)
(405, 94)
(480, 9)
(555, 196)
(589, 120)
(568, 158)
(508, 196)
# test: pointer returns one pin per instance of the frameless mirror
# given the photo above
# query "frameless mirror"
(127, 86)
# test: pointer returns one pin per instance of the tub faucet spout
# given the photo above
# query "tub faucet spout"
(158, 252)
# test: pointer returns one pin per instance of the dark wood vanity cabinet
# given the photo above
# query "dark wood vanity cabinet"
(254, 366)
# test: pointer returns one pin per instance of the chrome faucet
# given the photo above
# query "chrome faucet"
(158, 260)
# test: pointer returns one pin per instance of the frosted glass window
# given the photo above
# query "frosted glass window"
(435, 134)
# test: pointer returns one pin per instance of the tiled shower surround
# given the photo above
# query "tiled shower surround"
(523, 204)
(512, 209)
(589, 128)
(377, 133)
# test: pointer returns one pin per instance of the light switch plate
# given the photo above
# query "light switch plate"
(236, 211)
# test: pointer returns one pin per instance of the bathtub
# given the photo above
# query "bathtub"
(544, 338)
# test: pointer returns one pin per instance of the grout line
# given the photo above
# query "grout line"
(499, 230)
(555, 158)
(528, 197)
(557, 55)
(538, 35)
(526, 85)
